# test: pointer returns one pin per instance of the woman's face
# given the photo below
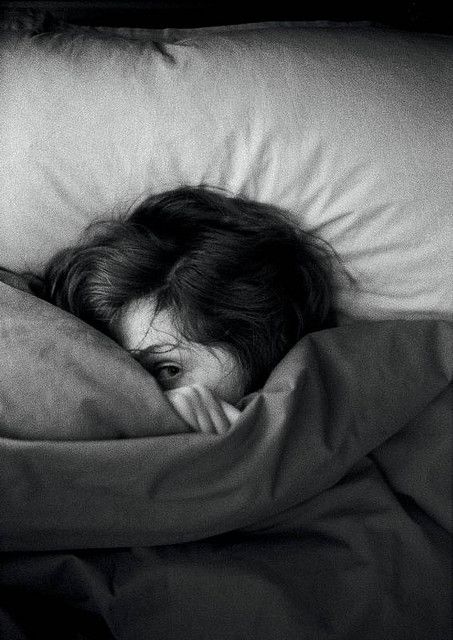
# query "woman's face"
(174, 361)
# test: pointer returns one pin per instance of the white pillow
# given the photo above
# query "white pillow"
(349, 128)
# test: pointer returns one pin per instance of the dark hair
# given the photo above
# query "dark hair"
(236, 273)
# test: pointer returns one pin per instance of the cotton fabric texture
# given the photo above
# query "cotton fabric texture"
(349, 128)
(325, 510)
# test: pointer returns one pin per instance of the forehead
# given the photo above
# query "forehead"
(139, 326)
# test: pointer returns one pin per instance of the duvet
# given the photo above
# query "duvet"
(325, 512)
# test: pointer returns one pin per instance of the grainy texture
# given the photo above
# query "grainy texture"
(325, 511)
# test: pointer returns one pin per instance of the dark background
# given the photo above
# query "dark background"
(418, 15)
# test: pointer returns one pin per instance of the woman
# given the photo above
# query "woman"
(206, 291)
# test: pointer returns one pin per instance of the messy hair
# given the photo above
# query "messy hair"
(233, 272)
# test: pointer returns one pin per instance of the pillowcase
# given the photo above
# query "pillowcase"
(62, 380)
(348, 128)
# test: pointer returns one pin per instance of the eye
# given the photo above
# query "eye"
(167, 373)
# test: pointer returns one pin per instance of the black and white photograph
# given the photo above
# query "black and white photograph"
(226, 320)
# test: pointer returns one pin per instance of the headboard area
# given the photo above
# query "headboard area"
(412, 15)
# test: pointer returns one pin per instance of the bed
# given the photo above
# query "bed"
(326, 511)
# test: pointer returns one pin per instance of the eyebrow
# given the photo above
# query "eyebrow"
(157, 349)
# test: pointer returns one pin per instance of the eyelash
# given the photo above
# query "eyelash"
(154, 368)
(157, 369)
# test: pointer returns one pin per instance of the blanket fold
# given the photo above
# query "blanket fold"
(326, 510)
(338, 396)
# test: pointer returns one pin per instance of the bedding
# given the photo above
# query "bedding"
(98, 383)
(324, 512)
(347, 127)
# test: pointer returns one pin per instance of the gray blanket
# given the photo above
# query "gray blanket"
(324, 513)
